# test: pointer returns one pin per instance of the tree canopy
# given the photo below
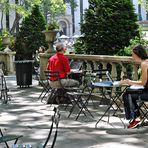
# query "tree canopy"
(23, 8)
(108, 26)
(30, 36)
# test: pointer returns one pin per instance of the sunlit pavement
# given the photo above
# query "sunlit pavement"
(28, 116)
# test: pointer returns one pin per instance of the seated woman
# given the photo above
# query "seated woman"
(41, 49)
(130, 99)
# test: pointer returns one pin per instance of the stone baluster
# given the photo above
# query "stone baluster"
(135, 72)
(104, 65)
(88, 65)
(114, 71)
(11, 62)
(123, 71)
(95, 64)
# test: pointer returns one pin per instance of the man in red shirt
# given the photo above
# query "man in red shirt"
(59, 62)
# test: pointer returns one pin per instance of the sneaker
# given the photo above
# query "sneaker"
(134, 124)
(132, 121)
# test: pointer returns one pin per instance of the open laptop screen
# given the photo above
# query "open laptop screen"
(76, 65)
(115, 83)
(109, 76)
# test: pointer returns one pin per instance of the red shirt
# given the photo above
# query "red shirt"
(59, 62)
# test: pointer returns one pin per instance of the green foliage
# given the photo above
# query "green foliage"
(108, 26)
(30, 36)
(133, 42)
(52, 26)
(1, 45)
(5, 33)
(72, 3)
(79, 47)
(53, 8)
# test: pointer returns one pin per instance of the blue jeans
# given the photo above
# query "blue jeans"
(130, 98)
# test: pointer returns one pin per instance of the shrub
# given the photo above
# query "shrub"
(30, 36)
(108, 26)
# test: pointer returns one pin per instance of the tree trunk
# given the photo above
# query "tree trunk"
(7, 17)
(2, 16)
(15, 25)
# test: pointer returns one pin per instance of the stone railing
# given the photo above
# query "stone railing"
(8, 59)
(119, 66)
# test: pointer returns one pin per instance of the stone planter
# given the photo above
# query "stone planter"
(24, 73)
(50, 37)
(6, 40)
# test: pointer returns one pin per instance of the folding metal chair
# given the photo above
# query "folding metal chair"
(79, 99)
(52, 135)
(6, 138)
(57, 90)
(143, 108)
(3, 67)
(94, 76)
(44, 83)
(3, 88)
(55, 123)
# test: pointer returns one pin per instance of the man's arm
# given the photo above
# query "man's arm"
(66, 65)
(48, 65)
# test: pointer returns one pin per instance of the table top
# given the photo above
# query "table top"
(75, 71)
(107, 84)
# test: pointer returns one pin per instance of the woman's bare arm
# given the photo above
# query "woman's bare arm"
(144, 76)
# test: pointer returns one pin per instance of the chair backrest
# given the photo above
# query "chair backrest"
(3, 67)
(54, 125)
(53, 76)
(3, 88)
(7, 138)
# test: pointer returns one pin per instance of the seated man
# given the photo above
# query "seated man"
(59, 62)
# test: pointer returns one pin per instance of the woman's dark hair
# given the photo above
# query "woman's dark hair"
(43, 48)
(140, 51)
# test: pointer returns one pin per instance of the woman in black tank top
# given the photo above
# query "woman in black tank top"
(130, 97)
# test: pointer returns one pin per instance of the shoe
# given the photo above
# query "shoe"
(134, 123)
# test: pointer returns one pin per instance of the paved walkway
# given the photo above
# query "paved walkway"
(27, 116)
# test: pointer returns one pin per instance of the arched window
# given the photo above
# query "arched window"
(63, 27)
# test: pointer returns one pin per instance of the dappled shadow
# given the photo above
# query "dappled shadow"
(26, 115)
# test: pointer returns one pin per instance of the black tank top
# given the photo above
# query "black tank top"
(146, 85)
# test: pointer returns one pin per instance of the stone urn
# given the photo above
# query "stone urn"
(6, 41)
(50, 36)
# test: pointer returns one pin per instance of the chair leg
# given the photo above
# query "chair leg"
(76, 102)
(142, 107)
(84, 106)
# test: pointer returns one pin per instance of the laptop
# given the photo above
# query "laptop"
(115, 83)
(76, 66)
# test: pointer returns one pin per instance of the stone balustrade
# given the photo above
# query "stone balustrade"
(8, 59)
(119, 66)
